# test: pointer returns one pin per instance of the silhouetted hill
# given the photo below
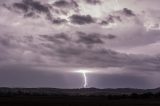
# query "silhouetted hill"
(75, 92)
(79, 97)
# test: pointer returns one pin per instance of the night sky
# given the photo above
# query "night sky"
(50, 43)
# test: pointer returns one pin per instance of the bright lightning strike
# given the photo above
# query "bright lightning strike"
(85, 79)
(83, 72)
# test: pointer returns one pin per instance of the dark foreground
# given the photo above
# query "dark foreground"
(76, 101)
(79, 97)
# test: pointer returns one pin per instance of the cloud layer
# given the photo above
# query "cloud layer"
(75, 34)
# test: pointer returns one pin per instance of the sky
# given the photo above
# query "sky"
(51, 43)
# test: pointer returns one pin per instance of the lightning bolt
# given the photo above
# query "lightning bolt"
(84, 72)
(85, 79)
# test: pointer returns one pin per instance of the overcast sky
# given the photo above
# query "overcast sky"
(44, 42)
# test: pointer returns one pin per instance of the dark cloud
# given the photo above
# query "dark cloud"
(118, 16)
(65, 3)
(31, 14)
(21, 6)
(93, 1)
(78, 38)
(111, 36)
(27, 5)
(37, 6)
(61, 3)
(48, 38)
(111, 19)
(59, 38)
(94, 38)
(33, 9)
(89, 39)
(5, 41)
(69, 52)
(62, 36)
(104, 22)
(59, 21)
(74, 53)
(128, 12)
(104, 58)
(82, 19)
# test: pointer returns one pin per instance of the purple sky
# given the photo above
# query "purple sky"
(44, 42)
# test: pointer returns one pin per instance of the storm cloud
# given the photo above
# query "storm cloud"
(82, 19)
(45, 39)
(32, 5)
(65, 3)
(93, 1)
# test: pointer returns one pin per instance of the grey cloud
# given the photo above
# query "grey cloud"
(146, 64)
(128, 12)
(65, 3)
(25, 5)
(78, 38)
(111, 19)
(111, 36)
(21, 6)
(82, 56)
(82, 19)
(61, 3)
(118, 16)
(77, 55)
(93, 1)
(94, 38)
(8, 41)
(57, 38)
(59, 21)
(89, 39)
(104, 22)
(33, 9)
(93, 57)
(62, 36)
(31, 14)
(5, 41)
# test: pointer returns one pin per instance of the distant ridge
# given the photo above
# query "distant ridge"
(72, 92)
